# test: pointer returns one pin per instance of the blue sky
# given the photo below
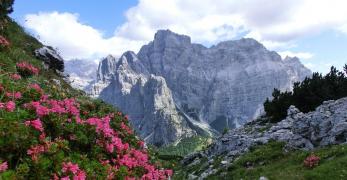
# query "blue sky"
(313, 30)
(105, 16)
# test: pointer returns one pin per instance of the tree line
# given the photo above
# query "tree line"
(308, 94)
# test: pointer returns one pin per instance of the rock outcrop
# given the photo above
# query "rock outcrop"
(327, 125)
(50, 57)
(214, 88)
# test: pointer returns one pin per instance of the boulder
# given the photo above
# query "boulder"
(51, 58)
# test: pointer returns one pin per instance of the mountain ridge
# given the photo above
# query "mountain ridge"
(220, 86)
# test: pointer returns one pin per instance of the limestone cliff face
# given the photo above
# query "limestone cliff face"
(182, 88)
(144, 97)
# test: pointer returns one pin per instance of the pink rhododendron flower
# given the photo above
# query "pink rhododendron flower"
(109, 148)
(44, 98)
(4, 42)
(104, 162)
(16, 95)
(39, 109)
(35, 151)
(10, 106)
(129, 178)
(80, 175)
(65, 178)
(3, 166)
(55, 176)
(46, 106)
(126, 128)
(15, 77)
(141, 144)
(70, 167)
(169, 172)
(27, 68)
(71, 106)
(36, 124)
(311, 161)
(36, 87)
(42, 136)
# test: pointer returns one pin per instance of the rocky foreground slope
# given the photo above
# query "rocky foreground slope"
(173, 88)
(327, 125)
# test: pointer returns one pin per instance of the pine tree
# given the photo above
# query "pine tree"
(6, 7)
(308, 94)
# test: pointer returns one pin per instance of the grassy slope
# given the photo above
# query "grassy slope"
(185, 146)
(16, 139)
(270, 161)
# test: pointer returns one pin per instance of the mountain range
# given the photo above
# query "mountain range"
(173, 88)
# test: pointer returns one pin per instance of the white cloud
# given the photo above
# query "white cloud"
(74, 39)
(300, 55)
(343, 28)
(277, 24)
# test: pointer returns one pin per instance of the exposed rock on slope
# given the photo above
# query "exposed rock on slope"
(50, 57)
(327, 125)
(212, 88)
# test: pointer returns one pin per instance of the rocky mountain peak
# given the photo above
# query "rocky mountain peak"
(291, 59)
(106, 68)
(248, 43)
(130, 56)
(175, 86)
(296, 67)
(167, 38)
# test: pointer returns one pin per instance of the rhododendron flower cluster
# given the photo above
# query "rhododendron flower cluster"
(16, 95)
(3, 166)
(4, 42)
(25, 69)
(311, 161)
(15, 77)
(35, 151)
(72, 168)
(126, 128)
(9, 106)
(110, 139)
(117, 153)
(46, 106)
(128, 157)
(36, 87)
(39, 109)
(36, 124)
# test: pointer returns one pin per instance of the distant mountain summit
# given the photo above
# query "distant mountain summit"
(81, 73)
(173, 88)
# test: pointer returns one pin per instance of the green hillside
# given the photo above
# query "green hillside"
(49, 130)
